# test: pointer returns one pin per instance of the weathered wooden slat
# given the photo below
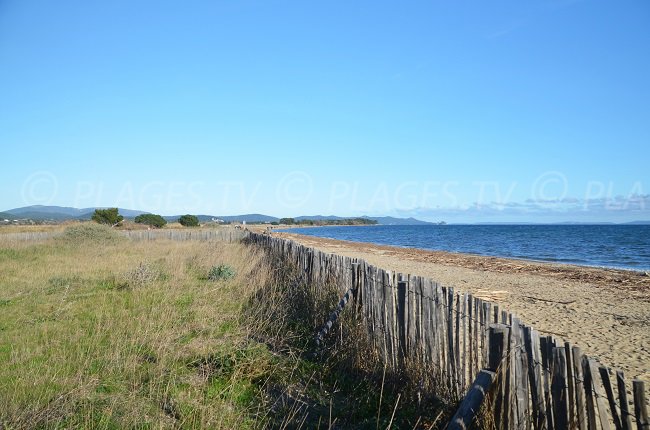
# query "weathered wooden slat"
(450, 339)
(590, 395)
(470, 335)
(484, 325)
(477, 328)
(421, 313)
(401, 316)
(560, 390)
(546, 351)
(388, 282)
(604, 375)
(508, 385)
(464, 416)
(463, 348)
(581, 403)
(601, 408)
(413, 315)
(487, 321)
(520, 380)
(573, 421)
(531, 339)
(498, 342)
(640, 405)
(457, 337)
(439, 329)
(626, 416)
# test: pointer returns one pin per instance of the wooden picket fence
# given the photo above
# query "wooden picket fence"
(26, 236)
(478, 350)
(219, 234)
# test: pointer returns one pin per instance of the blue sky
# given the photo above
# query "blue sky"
(463, 111)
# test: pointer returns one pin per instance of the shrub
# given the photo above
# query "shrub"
(220, 272)
(110, 216)
(189, 221)
(151, 219)
(89, 233)
(140, 276)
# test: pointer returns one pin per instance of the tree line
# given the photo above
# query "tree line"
(112, 217)
(342, 221)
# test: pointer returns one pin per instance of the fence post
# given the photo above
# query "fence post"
(559, 389)
(497, 352)
(626, 416)
(401, 316)
(607, 384)
(640, 409)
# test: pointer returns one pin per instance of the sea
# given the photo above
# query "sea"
(610, 246)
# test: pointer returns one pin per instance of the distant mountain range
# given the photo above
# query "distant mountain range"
(61, 213)
(383, 220)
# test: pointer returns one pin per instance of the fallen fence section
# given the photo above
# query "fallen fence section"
(474, 347)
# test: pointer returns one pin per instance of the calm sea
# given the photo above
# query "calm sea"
(617, 246)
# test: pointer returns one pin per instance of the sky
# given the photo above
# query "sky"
(463, 111)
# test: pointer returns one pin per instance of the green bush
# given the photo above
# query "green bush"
(220, 272)
(189, 221)
(110, 216)
(151, 219)
(89, 233)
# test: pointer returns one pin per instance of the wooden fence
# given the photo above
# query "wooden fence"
(26, 236)
(220, 234)
(536, 381)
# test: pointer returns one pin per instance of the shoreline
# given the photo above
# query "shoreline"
(604, 311)
(640, 272)
(471, 260)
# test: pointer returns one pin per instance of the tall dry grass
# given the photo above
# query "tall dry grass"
(344, 383)
(100, 332)
(97, 331)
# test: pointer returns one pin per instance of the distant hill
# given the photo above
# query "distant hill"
(126, 213)
(39, 212)
(62, 213)
(382, 220)
(249, 218)
(389, 220)
(6, 215)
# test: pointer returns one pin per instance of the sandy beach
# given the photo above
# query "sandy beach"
(605, 312)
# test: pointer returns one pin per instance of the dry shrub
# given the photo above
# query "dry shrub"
(140, 276)
(89, 233)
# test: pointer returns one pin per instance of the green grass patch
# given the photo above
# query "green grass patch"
(100, 334)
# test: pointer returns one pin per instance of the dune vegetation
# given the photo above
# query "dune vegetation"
(97, 331)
